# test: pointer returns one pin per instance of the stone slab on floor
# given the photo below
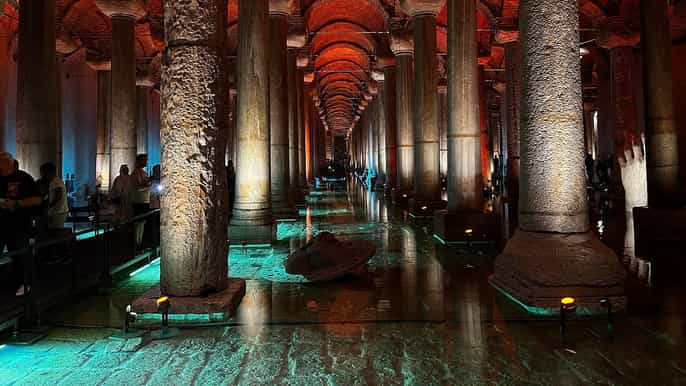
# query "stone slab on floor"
(222, 303)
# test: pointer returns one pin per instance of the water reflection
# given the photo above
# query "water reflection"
(256, 307)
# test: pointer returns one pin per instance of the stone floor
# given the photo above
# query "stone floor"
(424, 314)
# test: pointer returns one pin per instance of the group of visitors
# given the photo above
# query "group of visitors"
(130, 194)
(27, 208)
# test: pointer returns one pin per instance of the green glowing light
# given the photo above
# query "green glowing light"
(532, 310)
(143, 268)
(437, 237)
(251, 246)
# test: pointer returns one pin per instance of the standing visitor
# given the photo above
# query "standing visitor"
(120, 194)
(57, 207)
(140, 194)
(19, 199)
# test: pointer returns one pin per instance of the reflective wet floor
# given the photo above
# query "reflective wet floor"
(422, 314)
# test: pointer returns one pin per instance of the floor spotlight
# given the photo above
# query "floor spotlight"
(605, 303)
(128, 332)
(163, 307)
(567, 305)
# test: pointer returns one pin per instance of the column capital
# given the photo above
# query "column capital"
(99, 64)
(373, 88)
(506, 36)
(416, 8)
(308, 78)
(378, 76)
(144, 81)
(386, 61)
(616, 31)
(302, 61)
(281, 7)
(134, 9)
(402, 44)
(65, 43)
(296, 39)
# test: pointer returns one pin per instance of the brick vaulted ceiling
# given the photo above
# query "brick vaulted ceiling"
(346, 38)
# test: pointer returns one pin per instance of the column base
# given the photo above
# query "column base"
(252, 234)
(401, 197)
(537, 270)
(466, 227)
(215, 307)
(424, 208)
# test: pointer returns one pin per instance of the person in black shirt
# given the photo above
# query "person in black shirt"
(19, 200)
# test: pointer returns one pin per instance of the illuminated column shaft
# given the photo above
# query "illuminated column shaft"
(194, 207)
(102, 140)
(405, 137)
(253, 185)
(389, 100)
(553, 217)
(662, 152)
(123, 134)
(293, 129)
(303, 127)
(443, 127)
(37, 100)
(464, 134)
(553, 185)
(425, 113)
(278, 113)
(383, 133)
(142, 120)
(512, 102)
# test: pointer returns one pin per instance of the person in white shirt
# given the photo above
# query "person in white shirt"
(58, 209)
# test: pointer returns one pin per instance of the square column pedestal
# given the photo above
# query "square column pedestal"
(215, 307)
(537, 270)
(252, 234)
(424, 209)
(660, 236)
(401, 197)
(466, 227)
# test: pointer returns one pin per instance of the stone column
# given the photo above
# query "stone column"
(252, 219)
(389, 102)
(465, 180)
(142, 120)
(295, 41)
(662, 151)
(102, 128)
(194, 210)
(123, 136)
(512, 102)
(427, 194)
(553, 253)
(37, 122)
(403, 49)
(278, 110)
(302, 125)
(443, 127)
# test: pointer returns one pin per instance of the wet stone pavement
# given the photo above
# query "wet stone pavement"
(424, 314)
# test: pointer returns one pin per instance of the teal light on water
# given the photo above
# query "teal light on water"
(287, 220)
(437, 237)
(532, 310)
(143, 268)
(250, 246)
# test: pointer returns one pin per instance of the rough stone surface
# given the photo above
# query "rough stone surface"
(553, 182)
(541, 268)
(513, 117)
(464, 131)
(130, 8)
(194, 211)
(224, 302)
